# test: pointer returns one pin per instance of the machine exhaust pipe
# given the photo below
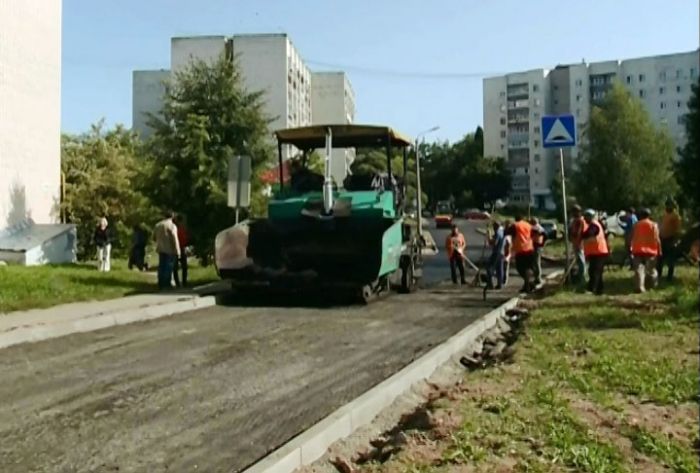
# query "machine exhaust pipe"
(328, 180)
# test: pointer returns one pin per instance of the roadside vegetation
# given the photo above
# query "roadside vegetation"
(597, 384)
(45, 286)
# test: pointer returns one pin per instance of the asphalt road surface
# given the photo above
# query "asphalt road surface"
(210, 390)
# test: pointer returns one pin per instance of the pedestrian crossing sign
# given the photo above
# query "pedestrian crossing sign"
(558, 131)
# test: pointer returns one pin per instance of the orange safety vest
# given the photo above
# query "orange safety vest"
(596, 245)
(578, 227)
(522, 240)
(645, 239)
(450, 245)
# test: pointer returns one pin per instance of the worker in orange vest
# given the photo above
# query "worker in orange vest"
(524, 250)
(670, 234)
(645, 249)
(596, 251)
(455, 245)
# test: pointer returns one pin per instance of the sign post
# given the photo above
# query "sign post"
(559, 131)
(239, 183)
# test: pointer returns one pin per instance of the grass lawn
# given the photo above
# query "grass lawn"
(598, 384)
(24, 288)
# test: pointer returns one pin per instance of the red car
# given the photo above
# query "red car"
(443, 215)
(476, 214)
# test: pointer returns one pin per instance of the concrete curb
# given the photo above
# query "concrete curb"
(97, 321)
(313, 443)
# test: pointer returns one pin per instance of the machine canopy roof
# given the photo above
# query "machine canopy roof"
(344, 136)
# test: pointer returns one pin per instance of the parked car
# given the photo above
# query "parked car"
(550, 228)
(476, 214)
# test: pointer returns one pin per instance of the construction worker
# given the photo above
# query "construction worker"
(670, 234)
(627, 224)
(538, 238)
(497, 259)
(645, 249)
(576, 229)
(524, 251)
(455, 245)
(596, 251)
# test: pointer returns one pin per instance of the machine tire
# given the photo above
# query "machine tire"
(408, 281)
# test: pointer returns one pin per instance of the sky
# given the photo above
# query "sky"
(413, 64)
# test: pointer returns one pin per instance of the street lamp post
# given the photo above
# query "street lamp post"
(419, 191)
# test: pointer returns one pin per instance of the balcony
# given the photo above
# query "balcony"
(518, 145)
(518, 119)
(518, 105)
(518, 137)
(518, 92)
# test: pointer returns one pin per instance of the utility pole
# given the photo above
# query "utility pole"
(419, 188)
(566, 215)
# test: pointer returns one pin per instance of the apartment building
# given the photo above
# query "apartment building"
(513, 107)
(333, 102)
(268, 63)
(30, 111)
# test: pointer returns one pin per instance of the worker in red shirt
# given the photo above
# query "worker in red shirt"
(183, 237)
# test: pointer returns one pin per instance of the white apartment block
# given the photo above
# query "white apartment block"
(268, 62)
(333, 103)
(514, 104)
(30, 111)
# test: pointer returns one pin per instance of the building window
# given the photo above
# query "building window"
(556, 101)
(641, 93)
(556, 87)
(662, 105)
(536, 115)
(537, 143)
(662, 75)
(679, 73)
(693, 72)
(503, 108)
(536, 129)
(537, 158)
(661, 90)
(527, 171)
(679, 104)
(503, 121)
(537, 171)
(502, 94)
(578, 98)
(502, 146)
(680, 120)
(641, 77)
(578, 112)
(579, 83)
(537, 102)
(678, 89)
(535, 88)
(503, 134)
(629, 79)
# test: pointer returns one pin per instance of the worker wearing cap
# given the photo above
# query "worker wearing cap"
(670, 234)
(645, 249)
(576, 229)
(595, 249)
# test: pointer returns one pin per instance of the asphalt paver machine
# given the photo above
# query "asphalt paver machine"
(355, 237)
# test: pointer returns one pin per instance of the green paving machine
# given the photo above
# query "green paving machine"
(319, 235)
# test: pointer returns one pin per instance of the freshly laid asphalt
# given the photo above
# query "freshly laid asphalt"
(214, 389)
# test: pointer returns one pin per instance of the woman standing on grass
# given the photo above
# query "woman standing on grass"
(103, 242)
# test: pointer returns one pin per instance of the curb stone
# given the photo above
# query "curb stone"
(44, 331)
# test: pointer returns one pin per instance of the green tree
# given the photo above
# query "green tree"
(626, 160)
(207, 117)
(688, 167)
(103, 178)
